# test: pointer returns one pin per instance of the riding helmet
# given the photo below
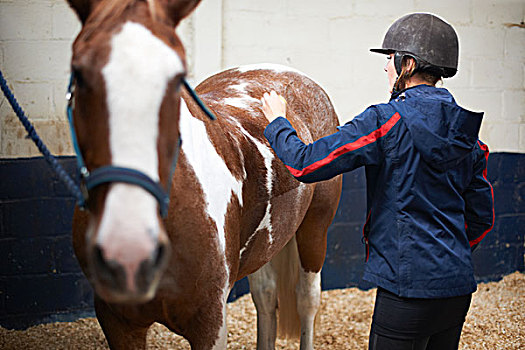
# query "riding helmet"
(432, 42)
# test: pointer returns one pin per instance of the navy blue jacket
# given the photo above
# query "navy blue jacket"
(429, 202)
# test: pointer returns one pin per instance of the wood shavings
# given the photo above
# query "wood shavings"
(495, 321)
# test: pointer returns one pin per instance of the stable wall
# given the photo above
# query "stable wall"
(328, 40)
(40, 280)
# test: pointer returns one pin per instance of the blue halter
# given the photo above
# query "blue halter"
(110, 174)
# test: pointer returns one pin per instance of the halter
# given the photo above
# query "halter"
(110, 174)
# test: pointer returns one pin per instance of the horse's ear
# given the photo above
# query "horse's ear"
(83, 8)
(178, 9)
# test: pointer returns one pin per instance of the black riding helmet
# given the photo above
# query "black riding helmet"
(432, 42)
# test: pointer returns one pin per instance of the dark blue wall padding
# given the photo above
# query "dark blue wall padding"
(40, 280)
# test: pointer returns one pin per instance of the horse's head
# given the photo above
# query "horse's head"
(127, 68)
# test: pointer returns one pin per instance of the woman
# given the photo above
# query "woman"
(429, 201)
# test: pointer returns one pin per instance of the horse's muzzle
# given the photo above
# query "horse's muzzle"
(121, 282)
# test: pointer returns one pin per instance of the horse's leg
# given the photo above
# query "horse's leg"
(311, 245)
(201, 321)
(263, 287)
(222, 341)
(203, 338)
(308, 291)
(120, 333)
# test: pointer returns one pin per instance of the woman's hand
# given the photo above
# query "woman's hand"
(273, 106)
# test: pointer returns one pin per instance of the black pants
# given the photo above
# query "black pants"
(417, 324)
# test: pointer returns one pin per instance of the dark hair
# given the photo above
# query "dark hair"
(427, 73)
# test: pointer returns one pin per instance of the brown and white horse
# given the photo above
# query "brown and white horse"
(234, 209)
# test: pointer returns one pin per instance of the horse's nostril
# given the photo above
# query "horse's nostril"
(150, 268)
(110, 272)
(160, 255)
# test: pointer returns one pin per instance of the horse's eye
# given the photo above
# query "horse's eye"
(180, 79)
(78, 76)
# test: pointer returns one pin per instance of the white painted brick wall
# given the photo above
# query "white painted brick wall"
(35, 42)
(328, 40)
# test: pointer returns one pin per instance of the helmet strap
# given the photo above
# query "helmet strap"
(398, 61)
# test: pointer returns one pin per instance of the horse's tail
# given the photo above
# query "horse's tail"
(286, 264)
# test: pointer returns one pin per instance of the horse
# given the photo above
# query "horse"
(163, 243)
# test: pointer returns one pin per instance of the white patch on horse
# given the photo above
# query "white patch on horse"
(266, 221)
(245, 102)
(216, 180)
(139, 68)
(241, 88)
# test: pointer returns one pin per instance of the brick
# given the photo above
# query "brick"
(344, 242)
(59, 102)
(502, 137)
(343, 275)
(36, 218)
(308, 34)
(487, 101)
(509, 227)
(504, 196)
(507, 168)
(37, 60)
(496, 12)
(463, 77)
(514, 106)
(355, 36)
(311, 8)
(452, 11)
(352, 101)
(491, 47)
(35, 99)
(22, 21)
(13, 138)
(2, 296)
(265, 31)
(308, 64)
(352, 205)
(66, 24)
(270, 6)
(55, 135)
(28, 256)
(515, 42)
(37, 294)
(496, 74)
(521, 146)
(491, 262)
(34, 172)
(64, 255)
(39, 179)
(379, 8)
(69, 164)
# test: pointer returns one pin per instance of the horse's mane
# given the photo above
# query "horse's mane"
(107, 9)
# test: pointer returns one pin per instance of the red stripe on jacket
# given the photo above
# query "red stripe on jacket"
(485, 149)
(349, 147)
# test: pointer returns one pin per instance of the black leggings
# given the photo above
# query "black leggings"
(417, 324)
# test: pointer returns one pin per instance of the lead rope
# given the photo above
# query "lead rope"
(73, 188)
(197, 99)
(31, 132)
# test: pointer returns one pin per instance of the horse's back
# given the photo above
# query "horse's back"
(237, 92)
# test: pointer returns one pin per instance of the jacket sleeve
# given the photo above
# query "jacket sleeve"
(479, 200)
(357, 143)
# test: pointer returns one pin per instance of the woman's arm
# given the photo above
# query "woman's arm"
(357, 143)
